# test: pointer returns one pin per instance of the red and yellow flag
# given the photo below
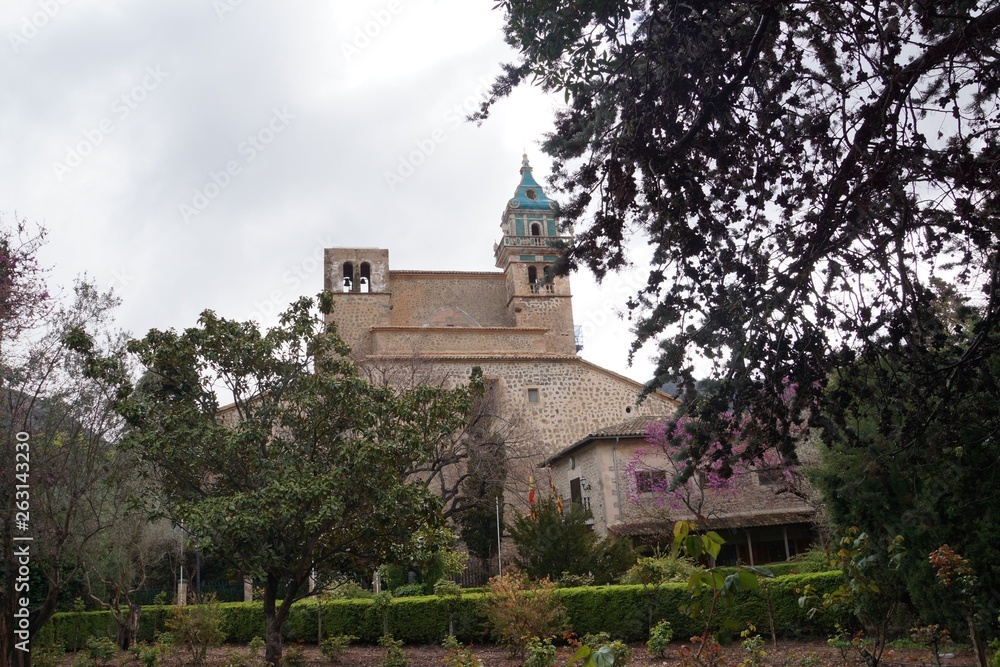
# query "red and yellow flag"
(531, 496)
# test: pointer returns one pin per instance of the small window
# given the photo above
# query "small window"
(648, 481)
(533, 396)
(533, 278)
(547, 281)
(531, 194)
(536, 229)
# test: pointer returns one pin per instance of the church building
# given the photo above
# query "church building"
(515, 323)
(583, 422)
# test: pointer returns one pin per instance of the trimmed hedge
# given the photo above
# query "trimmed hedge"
(621, 611)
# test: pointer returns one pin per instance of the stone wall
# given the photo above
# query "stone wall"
(422, 341)
(574, 397)
(448, 298)
(356, 315)
(553, 313)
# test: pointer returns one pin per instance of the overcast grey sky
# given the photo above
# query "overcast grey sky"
(201, 153)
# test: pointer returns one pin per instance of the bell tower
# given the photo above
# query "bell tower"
(527, 253)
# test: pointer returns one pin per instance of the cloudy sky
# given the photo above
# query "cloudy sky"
(200, 154)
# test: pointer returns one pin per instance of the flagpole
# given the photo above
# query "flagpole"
(499, 557)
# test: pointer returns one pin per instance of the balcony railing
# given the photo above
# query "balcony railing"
(534, 241)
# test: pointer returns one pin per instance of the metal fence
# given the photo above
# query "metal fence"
(477, 573)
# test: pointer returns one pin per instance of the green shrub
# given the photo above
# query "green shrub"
(147, 655)
(346, 590)
(619, 610)
(447, 587)
(101, 650)
(753, 647)
(250, 658)
(620, 650)
(612, 559)
(553, 543)
(541, 653)
(995, 655)
(518, 610)
(409, 590)
(660, 637)
(394, 656)
(293, 656)
(651, 571)
(567, 580)
(813, 560)
(47, 655)
(458, 655)
(334, 647)
(196, 628)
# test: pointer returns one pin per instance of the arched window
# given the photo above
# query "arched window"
(348, 282)
(366, 277)
(547, 273)
(533, 278)
(536, 229)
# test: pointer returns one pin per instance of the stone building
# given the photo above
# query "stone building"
(623, 479)
(515, 323)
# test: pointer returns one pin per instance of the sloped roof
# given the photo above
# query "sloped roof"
(630, 428)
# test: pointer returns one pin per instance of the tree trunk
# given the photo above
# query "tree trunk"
(126, 629)
(274, 616)
(977, 641)
(272, 629)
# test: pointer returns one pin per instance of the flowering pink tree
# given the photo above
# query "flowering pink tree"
(667, 479)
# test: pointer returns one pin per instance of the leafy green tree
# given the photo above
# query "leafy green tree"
(870, 592)
(22, 297)
(552, 542)
(483, 495)
(309, 469)
(798, 168)
(57, 433)
(909, 458)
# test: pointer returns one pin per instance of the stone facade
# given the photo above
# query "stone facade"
(516, 324)
(765, 515)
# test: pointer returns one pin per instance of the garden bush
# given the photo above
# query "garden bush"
(652, 571)
(519, 610)
(196, 627)
(617, 610)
